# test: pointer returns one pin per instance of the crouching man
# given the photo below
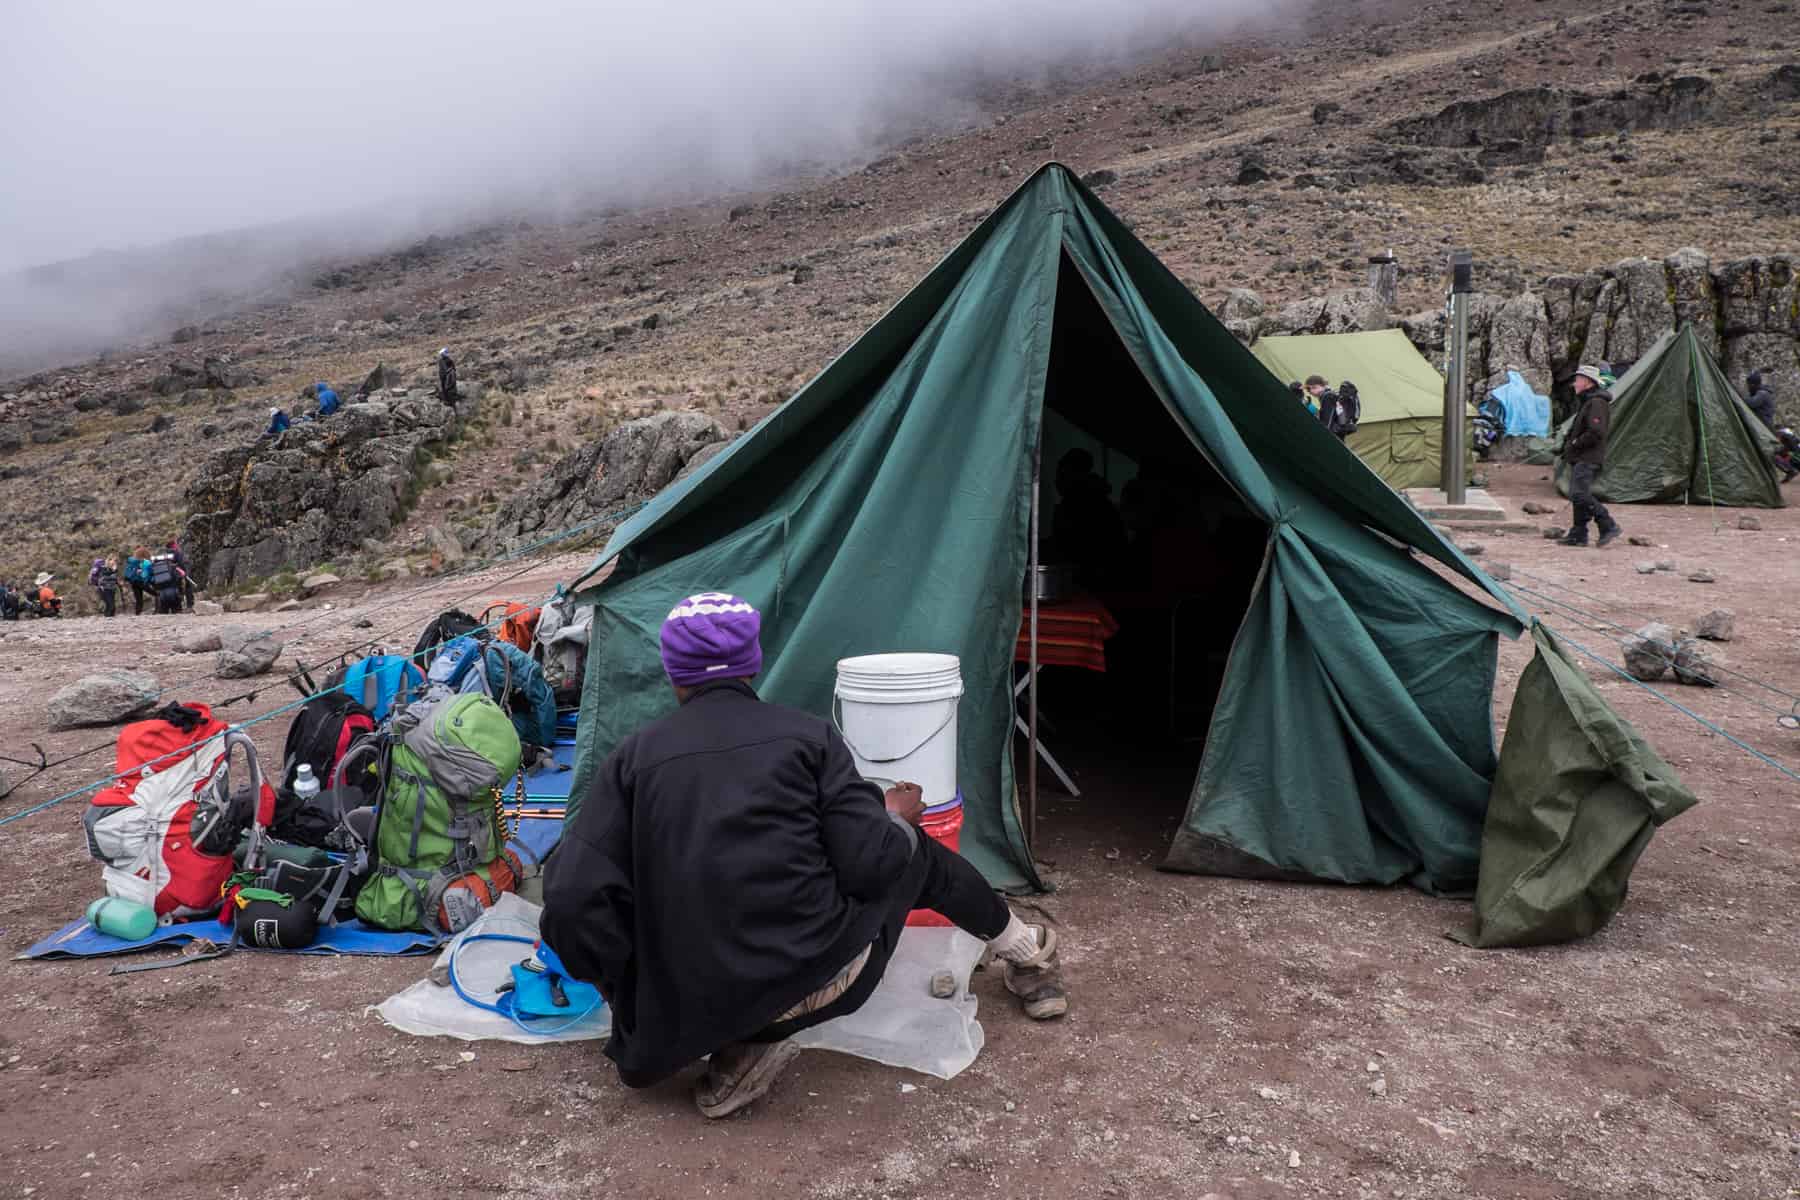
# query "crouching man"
(731, 880)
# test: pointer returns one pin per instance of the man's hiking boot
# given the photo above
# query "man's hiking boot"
(1609, 536)
(1572, 540)
(1037, 980)
(740, 1074)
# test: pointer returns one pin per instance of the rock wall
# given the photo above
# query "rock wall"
(1746, 311)
(630, 464)
(316, 492)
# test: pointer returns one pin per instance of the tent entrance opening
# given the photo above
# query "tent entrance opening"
(1146, 529)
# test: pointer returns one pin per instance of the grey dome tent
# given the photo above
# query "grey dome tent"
(888, 506)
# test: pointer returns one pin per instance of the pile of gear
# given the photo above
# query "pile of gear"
(389, 807)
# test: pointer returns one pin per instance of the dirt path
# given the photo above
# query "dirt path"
(1219, 1026)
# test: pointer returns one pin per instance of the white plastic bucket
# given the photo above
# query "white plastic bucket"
(898, 714)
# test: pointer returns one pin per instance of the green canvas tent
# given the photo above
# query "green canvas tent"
(1680, 434)
(888, 506)
(1401, 434)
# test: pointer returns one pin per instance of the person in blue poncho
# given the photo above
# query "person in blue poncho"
(278, 423)
(328, 399)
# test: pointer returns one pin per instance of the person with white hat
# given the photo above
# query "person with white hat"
(1585, 452)
(49, 604)
(446, 376)
(278, 423)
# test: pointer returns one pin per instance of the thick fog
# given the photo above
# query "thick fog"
(346, 124)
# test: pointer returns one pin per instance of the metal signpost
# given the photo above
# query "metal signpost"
(1456, 392)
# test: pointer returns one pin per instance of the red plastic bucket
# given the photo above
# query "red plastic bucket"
(942, 823)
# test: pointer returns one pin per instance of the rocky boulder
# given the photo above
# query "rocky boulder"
(244, 656)
(1716, 626)
(1695, 664)
(630, 464)
(314, 494)
(1650, 652)
(204, 642)
(103, 699)
(1240, 304)
(1340, 312)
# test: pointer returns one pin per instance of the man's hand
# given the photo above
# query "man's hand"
(906, 801)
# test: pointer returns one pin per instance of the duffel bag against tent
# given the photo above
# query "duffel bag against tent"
(166, 830)
(439, 847)
(561, 646)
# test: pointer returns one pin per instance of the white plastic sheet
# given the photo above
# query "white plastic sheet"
(902, 1025)
(427, 1009)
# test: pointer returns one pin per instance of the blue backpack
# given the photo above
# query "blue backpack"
(506, 675)
(380, 683)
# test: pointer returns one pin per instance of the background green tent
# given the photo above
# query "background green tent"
(1401, 435)
(886, 507)
(1681, 434)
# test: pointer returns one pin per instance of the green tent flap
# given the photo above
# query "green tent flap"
(1576, 798)
(1401, 434)
(1681, 434)
(886, 507)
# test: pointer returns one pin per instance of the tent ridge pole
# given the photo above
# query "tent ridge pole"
(1031, 587)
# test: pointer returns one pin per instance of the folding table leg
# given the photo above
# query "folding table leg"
(1050, 760)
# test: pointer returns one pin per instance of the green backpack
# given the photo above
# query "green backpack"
(439, 845)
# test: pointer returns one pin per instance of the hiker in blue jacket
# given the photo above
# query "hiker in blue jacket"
(328, 399)
(278, 423)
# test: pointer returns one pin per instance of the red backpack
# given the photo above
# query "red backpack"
(166, 830)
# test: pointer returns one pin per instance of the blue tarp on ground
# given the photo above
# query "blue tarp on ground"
(78, 939)
(546, 790)
(1527, 412)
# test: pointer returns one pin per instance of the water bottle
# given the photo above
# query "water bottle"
(122, 918)
(306, 784)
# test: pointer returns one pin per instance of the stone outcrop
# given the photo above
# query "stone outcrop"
(102, 699)
(1339, 312)
(314, 493)
(1516, 126)
(630, 464)
(1746, 311)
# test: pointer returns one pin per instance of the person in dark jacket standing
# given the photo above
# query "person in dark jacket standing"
(1585, 452)
(1761, 399)
(446, 377)
(730, 879)
(106, 582)
(187, 578)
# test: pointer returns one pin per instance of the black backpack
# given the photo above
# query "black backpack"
(322, 733)
(163, 572)
(1349, 410)
(446, 627)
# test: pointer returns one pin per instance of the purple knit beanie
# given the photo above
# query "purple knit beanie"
(711, 636)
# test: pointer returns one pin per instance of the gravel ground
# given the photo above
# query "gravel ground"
(1221, 1039)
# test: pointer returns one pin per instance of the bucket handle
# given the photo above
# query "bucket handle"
(839, 726)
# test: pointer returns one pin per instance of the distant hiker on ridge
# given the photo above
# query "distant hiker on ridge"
(1585, 452)
(446, 376)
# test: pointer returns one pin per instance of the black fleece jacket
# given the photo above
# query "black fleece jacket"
(726, 861)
